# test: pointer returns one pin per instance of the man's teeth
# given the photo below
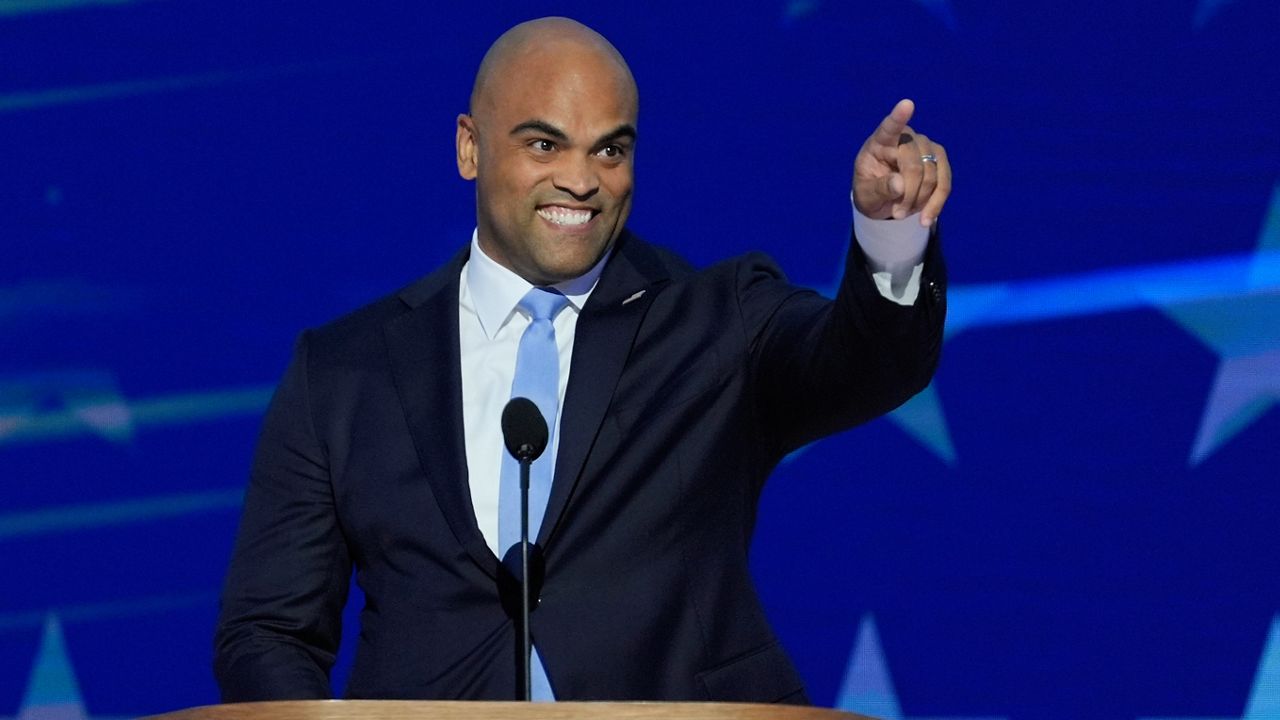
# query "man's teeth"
(565, 216)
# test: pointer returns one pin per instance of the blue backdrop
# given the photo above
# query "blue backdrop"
(1079, 519)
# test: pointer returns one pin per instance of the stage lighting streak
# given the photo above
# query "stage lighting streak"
(1113, 290)
(942, 10)
(1178, 289)
(108, 610)
(1206, 10)
(796, 10)
(67, 518)
(53, 97)
(32, 7)
(63, 297)
(118, 418)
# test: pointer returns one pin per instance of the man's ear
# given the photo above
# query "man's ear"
(466, 146)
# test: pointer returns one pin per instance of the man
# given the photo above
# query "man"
(670, 394)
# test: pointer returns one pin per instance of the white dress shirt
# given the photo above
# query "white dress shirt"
(490, 324)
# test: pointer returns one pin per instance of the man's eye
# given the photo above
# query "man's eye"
(543, 145)
(611, 151)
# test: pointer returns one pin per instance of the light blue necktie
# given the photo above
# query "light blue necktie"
(537, 377)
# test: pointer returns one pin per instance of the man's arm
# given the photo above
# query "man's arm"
(280, 620)
(822, 366)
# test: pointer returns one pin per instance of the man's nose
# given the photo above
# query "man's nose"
(577, 176)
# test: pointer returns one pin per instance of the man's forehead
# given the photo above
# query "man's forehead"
(564, 104)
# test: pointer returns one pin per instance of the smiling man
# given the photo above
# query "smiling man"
(549, 142)
(670, 395)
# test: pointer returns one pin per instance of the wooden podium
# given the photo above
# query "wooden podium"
(458, 710)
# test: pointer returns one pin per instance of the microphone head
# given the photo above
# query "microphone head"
(523, 429)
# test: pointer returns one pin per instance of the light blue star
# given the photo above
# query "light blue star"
(922, 418)
(1243, 328)
(52, 691)
(1264, 698)
(1193, 291)
(867, 687)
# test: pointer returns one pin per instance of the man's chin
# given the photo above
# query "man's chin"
(563, 269)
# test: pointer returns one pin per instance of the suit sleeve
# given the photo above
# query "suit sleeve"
(820, 366)
(281, 612)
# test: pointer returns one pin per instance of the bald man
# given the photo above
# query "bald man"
(670, 395)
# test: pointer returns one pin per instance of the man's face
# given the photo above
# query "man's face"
(550, 146)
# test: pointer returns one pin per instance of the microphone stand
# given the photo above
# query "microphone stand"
(524, 431)
(526, 640)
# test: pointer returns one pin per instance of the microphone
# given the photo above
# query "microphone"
(523, 429)
(525, 433)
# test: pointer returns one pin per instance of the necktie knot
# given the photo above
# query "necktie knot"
(543, 303)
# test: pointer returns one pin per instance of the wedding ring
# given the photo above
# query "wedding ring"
(929, 158)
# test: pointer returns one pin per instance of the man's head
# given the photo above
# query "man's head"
(549, 141)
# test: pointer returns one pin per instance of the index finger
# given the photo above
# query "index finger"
(893, 124)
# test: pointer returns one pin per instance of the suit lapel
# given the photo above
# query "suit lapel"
(601, 345)
(424, 351)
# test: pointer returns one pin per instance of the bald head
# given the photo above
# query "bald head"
(527, 50)
(549, 144)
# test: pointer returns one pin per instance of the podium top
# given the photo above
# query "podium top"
(484, 710)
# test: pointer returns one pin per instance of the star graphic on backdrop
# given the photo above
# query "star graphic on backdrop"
(52, 690)
(1264, 698)
(797, 10)
(1231, 302)
(1243, 329)
(922, 416)
(867, 687)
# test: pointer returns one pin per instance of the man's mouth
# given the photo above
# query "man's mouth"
(568, 217)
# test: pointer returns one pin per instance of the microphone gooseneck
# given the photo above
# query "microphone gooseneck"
(525, 433)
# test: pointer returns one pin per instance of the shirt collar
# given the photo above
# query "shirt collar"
(495, 290)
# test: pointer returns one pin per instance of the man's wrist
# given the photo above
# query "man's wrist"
(895, 253)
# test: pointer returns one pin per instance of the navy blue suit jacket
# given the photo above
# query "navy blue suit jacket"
(686, 389)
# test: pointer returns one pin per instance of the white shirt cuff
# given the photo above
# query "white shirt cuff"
(895, 253)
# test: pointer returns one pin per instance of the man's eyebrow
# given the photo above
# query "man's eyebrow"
(626, 130)
(540, 126)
